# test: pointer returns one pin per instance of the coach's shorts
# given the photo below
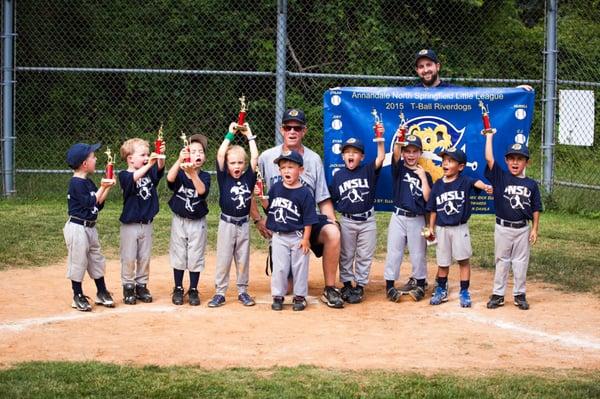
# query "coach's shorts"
(452, 242)
(315, 246)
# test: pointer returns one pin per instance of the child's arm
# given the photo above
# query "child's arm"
(432, 219)
(305, 243)
(172, 174)
(141, 172)
(397, 152)
(225, 145)
(199, 185)
(424, 182)
(533, 235)
(489, 150)
(380, 154)
(263, 201)
(102, 192)
(253, 148)
(485, 187)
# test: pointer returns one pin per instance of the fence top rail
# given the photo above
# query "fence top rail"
(142, 70)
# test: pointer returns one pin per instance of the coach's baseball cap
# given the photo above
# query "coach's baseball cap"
(293, 156)
(294, 114)
(411, 139)
(427, 53)
(517, 149)
(456, 154)
(79, 152)
(199, 138)
(356, 143)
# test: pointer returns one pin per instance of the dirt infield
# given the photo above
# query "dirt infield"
(561, 330)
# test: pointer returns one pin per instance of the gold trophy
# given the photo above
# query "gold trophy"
(158, 143)
(242, 114)
(402, 129)
(187, 161)
(109, 173)
(378, 126)
(485, 117)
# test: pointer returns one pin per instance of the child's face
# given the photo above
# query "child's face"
(197, 154)
(290, 172)
(139, 157)
(411, 155)
(89, 165)
(236, 163)
(516, 164)
(352, 157)
(451, 166)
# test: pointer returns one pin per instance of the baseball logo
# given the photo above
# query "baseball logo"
(336, 124)
(336, 100)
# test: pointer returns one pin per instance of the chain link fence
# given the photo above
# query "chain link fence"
(106, 71)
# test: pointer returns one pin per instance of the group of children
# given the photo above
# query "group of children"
(423, 210)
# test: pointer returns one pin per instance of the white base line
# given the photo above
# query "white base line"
(564, 339)
(21, 325)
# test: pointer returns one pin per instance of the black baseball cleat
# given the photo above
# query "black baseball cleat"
(299, 303)
(80, 302)
(177, 296)
(105, 299)
(142, 293)
(349, 295)
(194, 297)
(357, 294)
(393, 294)
(332, 297)
(129, 294)
(410, 285)
(417, 293)
(495, 301)
(277, 303)
(521, 302)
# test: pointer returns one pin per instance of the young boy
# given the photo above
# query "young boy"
(291, 214)
(236, 184)
(190, 186)
(84, 201)
(450, 209)
(517, 200)
(353, 194)
(412, 186)
(140, 205)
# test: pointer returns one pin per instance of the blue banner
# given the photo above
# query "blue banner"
(442, 118)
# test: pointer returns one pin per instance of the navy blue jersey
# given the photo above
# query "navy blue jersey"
(140, 199)
(408, 190)
(515, 198)
(290, 209)
(81, 199)
(186, 202)
(353, 191)
(451, 201)
(442, 84)
(235, 194)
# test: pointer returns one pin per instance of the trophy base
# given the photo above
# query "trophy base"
(158, 156)
(402, 143)
(488, 131)
(240, 128)
(105, 180)
(378, 139)
(184, 165)
(265, 197)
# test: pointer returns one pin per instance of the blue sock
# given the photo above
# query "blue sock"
(194, 277)
(464, 285)
(76, 285)
(178, 276)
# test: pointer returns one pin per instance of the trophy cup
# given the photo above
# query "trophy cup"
(158, 143)
(242, 114)
(485, 117)
(402, 129)
(260, 184)
(187, 161)
(109, 174)
(378, 126)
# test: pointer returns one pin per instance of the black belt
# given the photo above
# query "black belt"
(359, 217)
(514, 225)
(402, 212)
(82, 222)
(236, 221)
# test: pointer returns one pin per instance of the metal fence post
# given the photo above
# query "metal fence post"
(281, 66)
(7, 99)
(550, 97)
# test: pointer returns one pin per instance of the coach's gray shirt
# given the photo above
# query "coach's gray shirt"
(313, 176)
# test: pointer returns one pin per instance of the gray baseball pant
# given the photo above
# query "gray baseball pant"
(84, 253)
(233, 244)
(287, 255)
(136, 250)
(405, 231)
(188, 243)
(358, 240)
(511, 247)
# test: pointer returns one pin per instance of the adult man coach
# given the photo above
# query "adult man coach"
(427, 66)
(325, 236)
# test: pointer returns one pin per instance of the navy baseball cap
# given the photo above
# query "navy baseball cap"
(517, 149)
(456, 154)
(356, 143)
(293, 156)
(411, 139)
(294, 114)
(427, 53)
(79, 152)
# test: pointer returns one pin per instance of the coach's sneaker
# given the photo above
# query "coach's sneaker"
(521, 302)
(417, 293)
(277, 303)
(465, 298)
(332, 297)
(142, 293)
(105, 299)
(129, 294)
(194, 297)
(80, 302)
(439, 295)
(393, 294)
(246, 299)
(495, 301)
(216, 301)
(299, 303)
(177, 296)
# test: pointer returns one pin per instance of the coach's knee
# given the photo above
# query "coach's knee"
(329, 235)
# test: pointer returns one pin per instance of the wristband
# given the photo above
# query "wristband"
(230, 136)
(251, 138)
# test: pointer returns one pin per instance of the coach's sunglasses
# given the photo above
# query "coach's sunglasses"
(288, 128)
